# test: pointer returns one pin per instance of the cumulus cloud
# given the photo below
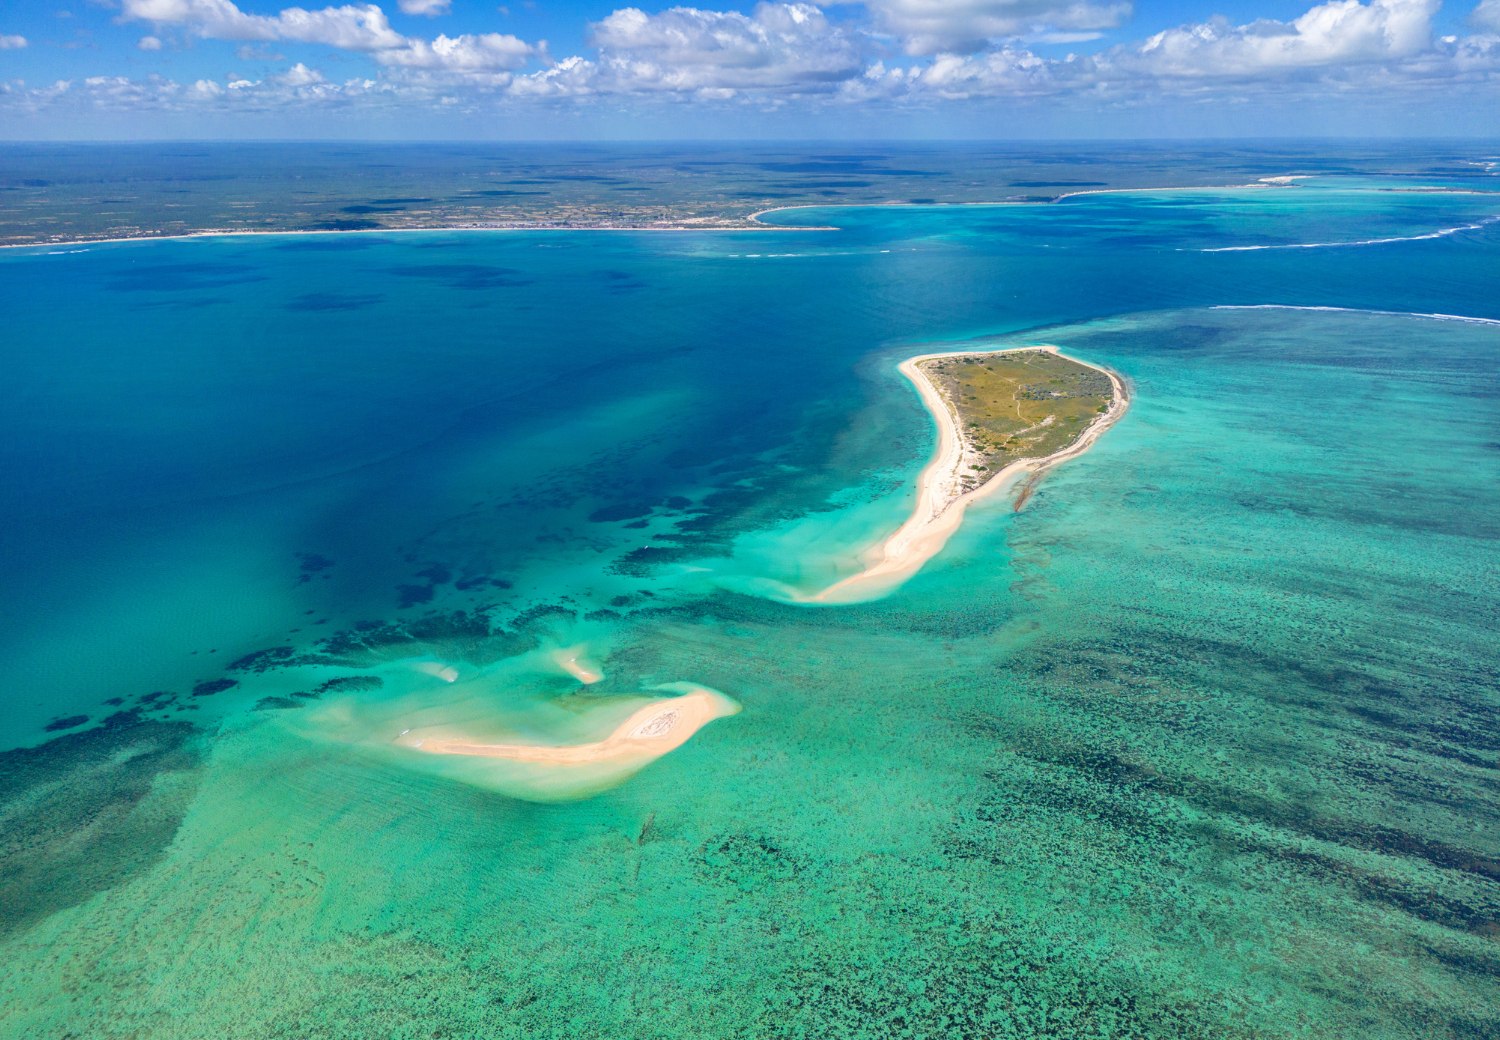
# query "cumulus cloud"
(786, 49)
(350, 27)
(1381, 44)
(12, 43)
(363, 28)
(468, 53)
(149, 43)
(1006, 72)
(299, 75)
(1487, 16)
(967, 26)
(431, 8)
(1340, 32)
(777, 46)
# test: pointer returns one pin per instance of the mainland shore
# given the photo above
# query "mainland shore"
(942, 496)
(747, 222)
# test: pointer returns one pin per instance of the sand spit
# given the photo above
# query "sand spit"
(649, 733)
(940, 499)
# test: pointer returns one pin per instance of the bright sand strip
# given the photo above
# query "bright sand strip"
(940, 502)
(645, 736)
(571, 660)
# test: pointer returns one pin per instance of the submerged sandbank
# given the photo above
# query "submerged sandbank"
(942, 495)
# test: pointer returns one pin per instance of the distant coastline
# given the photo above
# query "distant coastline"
(749, 222)
(941, 500)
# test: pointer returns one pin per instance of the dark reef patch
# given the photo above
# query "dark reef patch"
(66, 722)
(276, 704)
(413, 595)
(309, 564)
(263, 660)
(436, 573)
(621, 511)
(88, 811)
(333, 301)
(747, 862)
(464, 276)
(209, 687)
(182, 277)
(349, 684)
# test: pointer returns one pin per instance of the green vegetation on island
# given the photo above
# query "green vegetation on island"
(1020, 404)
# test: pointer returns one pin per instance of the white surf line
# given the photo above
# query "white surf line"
(1354, 310)
(1262, 183)
(1443, 233)
(940, 506)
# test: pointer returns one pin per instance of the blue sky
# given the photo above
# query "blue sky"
(140, 69)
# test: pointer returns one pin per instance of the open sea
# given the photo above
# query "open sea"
(1201, 744)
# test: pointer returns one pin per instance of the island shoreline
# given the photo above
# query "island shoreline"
(939, 512)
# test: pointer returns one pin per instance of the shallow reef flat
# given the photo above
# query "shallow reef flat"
(1198, 745)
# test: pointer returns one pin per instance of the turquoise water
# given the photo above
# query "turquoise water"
(1201, 743)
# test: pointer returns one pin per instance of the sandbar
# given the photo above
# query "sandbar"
(942, 495)
(650, 732)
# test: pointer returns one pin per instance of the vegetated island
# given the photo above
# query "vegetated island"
(1000, 414)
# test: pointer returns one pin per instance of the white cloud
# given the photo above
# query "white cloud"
(1487, 16)
(1381, 45)
(482, 52)
(571, 77)
(350, 27)
(1007, 72)
(781, 50)
(12, 43)
(299, 75)
(149, 43)
(1340, 32)
(778, 46)
(431, 8)
(966, 26)
(362, 28)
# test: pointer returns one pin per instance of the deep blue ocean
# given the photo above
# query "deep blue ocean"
(1201, 743)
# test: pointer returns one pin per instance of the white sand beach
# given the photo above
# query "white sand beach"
(940, 499)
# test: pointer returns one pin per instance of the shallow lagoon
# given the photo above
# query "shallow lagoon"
(1199, 744)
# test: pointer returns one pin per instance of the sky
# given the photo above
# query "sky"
(548, 69)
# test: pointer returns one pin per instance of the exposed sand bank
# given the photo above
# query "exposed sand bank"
(649, 733)
(940, 499)
(571, 659)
